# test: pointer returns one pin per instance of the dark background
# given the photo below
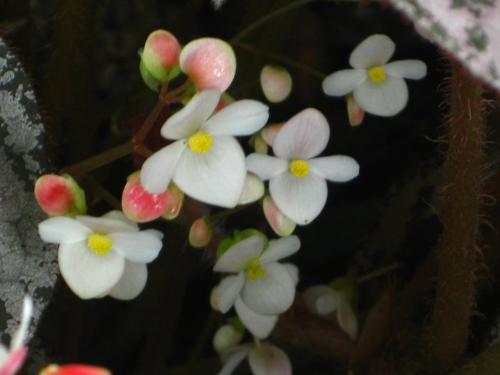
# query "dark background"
(82, 58)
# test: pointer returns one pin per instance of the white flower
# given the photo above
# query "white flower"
(12, 358)
(378, 86)
(206, 162)
(101, 256)
(297, 181)
(324, 300)
(265, 359)
(264, 285)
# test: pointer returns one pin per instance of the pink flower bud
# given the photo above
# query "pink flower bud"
(281, 224)
(14, 361)
(59, 195)
(200, 233)
(270, 132)
(160, 56)
(209, 62)
(276, 83)
(139, 205)
(355, 112)
(74, 369)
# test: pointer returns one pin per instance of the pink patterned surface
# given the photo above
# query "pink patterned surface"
(468, 29)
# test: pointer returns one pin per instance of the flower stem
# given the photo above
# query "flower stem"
(377, 273)
(99, 160)
(215, 218)
(457, 252)
(269, 55)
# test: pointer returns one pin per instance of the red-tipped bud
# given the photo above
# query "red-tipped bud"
(355, 113)
(280, 223)
(160, 56)
(59, 195)
(270, 132)
(139, 205)
(200, 233)
(74, 369)
(209, 62)
(276, 83)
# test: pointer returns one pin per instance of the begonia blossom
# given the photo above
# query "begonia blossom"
(264, 285)
(276, 83)
(297, 177)
(378, 86)
(13, 357)
(264, 359)
(205, 161)
(101, 256)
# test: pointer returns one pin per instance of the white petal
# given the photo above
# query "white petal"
(132, 282)
(269, 360)
(337, 168)
(321, 299)
(105, 224)
(293, 271)
(411, 69)
(375, 50)
(299, 198)
(228, 290)
(4, 354)
(22, 331)
(119, 215)
(62, 230)
(279, 249)
(158, 169)
(383, 99)
(237, 256)
(259, 325)
(253, 189)
(215, 177)
(304, 136)
(271, 294)
(243, 117)
(265, 166)
(236, 357)
(89, 275)
(190, 118)
(343, 82)
(139, 247)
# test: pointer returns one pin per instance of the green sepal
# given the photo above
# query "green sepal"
(79, 201)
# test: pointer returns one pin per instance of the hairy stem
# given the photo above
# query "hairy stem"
(457, 251)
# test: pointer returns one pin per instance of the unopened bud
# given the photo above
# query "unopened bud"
(74, 369)
(253, 189)
(321, 299)
(214, 300)
(60, 195)
(160, 56)
(279, 222)
(354, 111)
(347, 319)
(270, 132)
(139, 205)
(276, 83)
(209, 62)
(175, 202)
(200, 233)
(226, 337)
(258, 144)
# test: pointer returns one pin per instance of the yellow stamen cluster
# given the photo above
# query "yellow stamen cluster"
(299, 168)
(99, 244)
(377, 74)
(255, 270)
(200, 142)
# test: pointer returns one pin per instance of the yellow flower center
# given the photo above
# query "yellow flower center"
(100, 244)
(200, 142)
(376, 74)
(299, 168)
(255, 270)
